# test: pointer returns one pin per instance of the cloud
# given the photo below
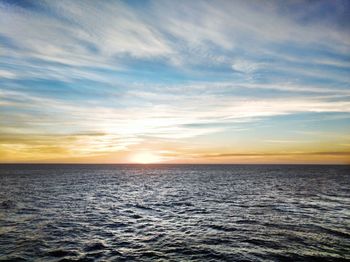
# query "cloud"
(7, 74)
(284, 141)
(231, 24)
(177, 120)
(329, 153)
(245, 66)
(164, 70)
(79, 34)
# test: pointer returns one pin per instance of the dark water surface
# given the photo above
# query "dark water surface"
(174, 213)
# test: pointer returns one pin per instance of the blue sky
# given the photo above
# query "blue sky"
(181, 81)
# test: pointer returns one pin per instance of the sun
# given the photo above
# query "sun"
(145, 158)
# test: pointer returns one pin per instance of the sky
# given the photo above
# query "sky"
(175, 81)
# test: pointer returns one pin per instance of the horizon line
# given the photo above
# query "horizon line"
(148, 164)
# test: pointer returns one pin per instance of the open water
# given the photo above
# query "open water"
(174, 213)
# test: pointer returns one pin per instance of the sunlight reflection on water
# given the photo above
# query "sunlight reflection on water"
(174, 212)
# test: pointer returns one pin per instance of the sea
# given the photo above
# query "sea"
(62, 212)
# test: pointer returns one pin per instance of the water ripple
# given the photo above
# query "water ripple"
(174, 213)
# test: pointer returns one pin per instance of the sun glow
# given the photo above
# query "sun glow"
(145, 158)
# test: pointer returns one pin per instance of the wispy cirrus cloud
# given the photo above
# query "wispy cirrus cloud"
(154, 71)
(78, 33)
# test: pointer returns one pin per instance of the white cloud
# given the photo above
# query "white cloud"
(67, 36)
(69, 40)
(245, 66)
(231, 24)
(172, 121)
(7, 74)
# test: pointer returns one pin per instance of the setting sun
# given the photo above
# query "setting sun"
(145, 158)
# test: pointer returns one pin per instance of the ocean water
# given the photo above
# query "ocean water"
(174, 213)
